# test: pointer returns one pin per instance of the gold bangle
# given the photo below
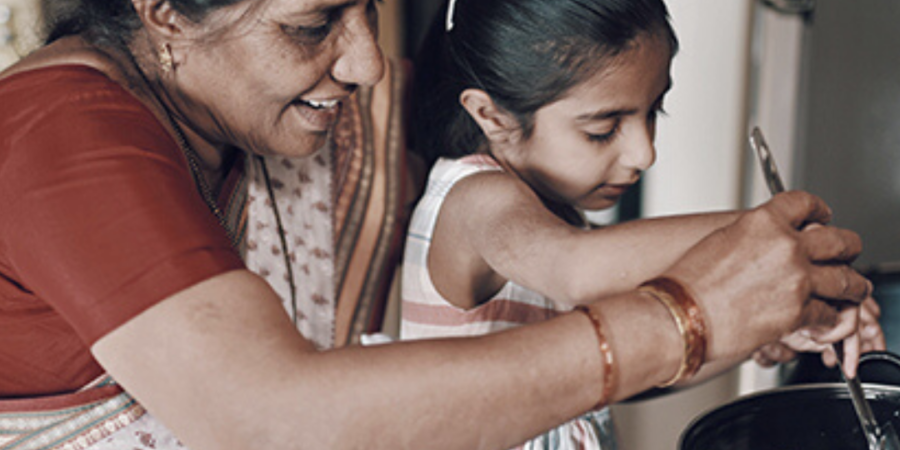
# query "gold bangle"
(606, 354)
(689, 320)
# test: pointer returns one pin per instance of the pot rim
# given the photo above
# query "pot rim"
(871, 391)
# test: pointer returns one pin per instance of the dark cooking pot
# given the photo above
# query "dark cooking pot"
(803, 417)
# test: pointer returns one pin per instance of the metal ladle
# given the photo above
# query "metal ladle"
(878, 438)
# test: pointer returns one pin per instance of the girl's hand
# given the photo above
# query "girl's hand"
(868, 337)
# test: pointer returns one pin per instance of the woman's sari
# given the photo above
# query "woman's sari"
(343, 215)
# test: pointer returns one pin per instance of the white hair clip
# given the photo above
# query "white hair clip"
(450, 9)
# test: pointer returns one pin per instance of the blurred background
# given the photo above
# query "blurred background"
(822, 79)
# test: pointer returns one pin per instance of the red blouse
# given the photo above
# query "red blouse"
(99, 220)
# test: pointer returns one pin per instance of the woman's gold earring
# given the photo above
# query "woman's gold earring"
(166, 61)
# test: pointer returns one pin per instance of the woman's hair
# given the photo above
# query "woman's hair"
(110, 22)
(524, 53)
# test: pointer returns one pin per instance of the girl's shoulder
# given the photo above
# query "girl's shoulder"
(480, 160)
(447, 172)
(476, 182)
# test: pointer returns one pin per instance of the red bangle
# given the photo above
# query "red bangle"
(606, 354)
(689, 320)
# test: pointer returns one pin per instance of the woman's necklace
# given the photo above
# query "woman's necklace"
(191, 155)
(206, 192)
(193, 160)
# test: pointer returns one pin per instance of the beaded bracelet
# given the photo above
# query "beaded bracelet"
(689, 320)
(609, 372)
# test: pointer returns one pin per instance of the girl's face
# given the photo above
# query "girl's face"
(273, 80)
(590, 146)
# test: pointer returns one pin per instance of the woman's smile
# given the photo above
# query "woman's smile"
(319, 116)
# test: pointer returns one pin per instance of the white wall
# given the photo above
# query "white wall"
(776, 66)
(700, 146)
(775, 69)
(700, 143)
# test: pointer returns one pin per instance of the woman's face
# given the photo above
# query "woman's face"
(590, 146)
(270, 78)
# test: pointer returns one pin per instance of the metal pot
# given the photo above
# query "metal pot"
(803, 417)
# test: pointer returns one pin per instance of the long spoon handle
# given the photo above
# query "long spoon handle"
(874, 436)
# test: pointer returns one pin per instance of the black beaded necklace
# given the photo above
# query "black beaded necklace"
(194, 161)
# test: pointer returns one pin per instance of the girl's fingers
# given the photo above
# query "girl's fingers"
(829, 357)
(774, 353)
(762, 358)
(872, 308)
(847, 323)
(870, 333)
(851, 355)
(802, 341)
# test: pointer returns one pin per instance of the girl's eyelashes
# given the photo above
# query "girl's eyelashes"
(657, 110)
(605, 137)
(602, 138)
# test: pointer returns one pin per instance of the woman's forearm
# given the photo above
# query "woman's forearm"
(233, 372)
(222, 365)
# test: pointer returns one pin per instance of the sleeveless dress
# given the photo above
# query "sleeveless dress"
(426, 314)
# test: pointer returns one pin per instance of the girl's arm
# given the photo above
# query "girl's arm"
(492, 222)
(510, 235)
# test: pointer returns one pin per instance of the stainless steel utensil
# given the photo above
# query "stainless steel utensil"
(878, 438)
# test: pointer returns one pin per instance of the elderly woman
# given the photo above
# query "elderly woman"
(173, 171)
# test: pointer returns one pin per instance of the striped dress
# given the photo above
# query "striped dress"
(426, 314)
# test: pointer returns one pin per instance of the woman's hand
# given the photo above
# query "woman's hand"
(770, 274)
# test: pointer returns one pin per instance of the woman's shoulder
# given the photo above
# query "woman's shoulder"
(56, 111)
(64, 83)
(66, 54)
(56, 73)
(61, 72)
(45, 89)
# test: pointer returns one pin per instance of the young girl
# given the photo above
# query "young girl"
(532, 111)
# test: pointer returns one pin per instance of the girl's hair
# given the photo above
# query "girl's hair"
(110, 22)
(524, 53)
